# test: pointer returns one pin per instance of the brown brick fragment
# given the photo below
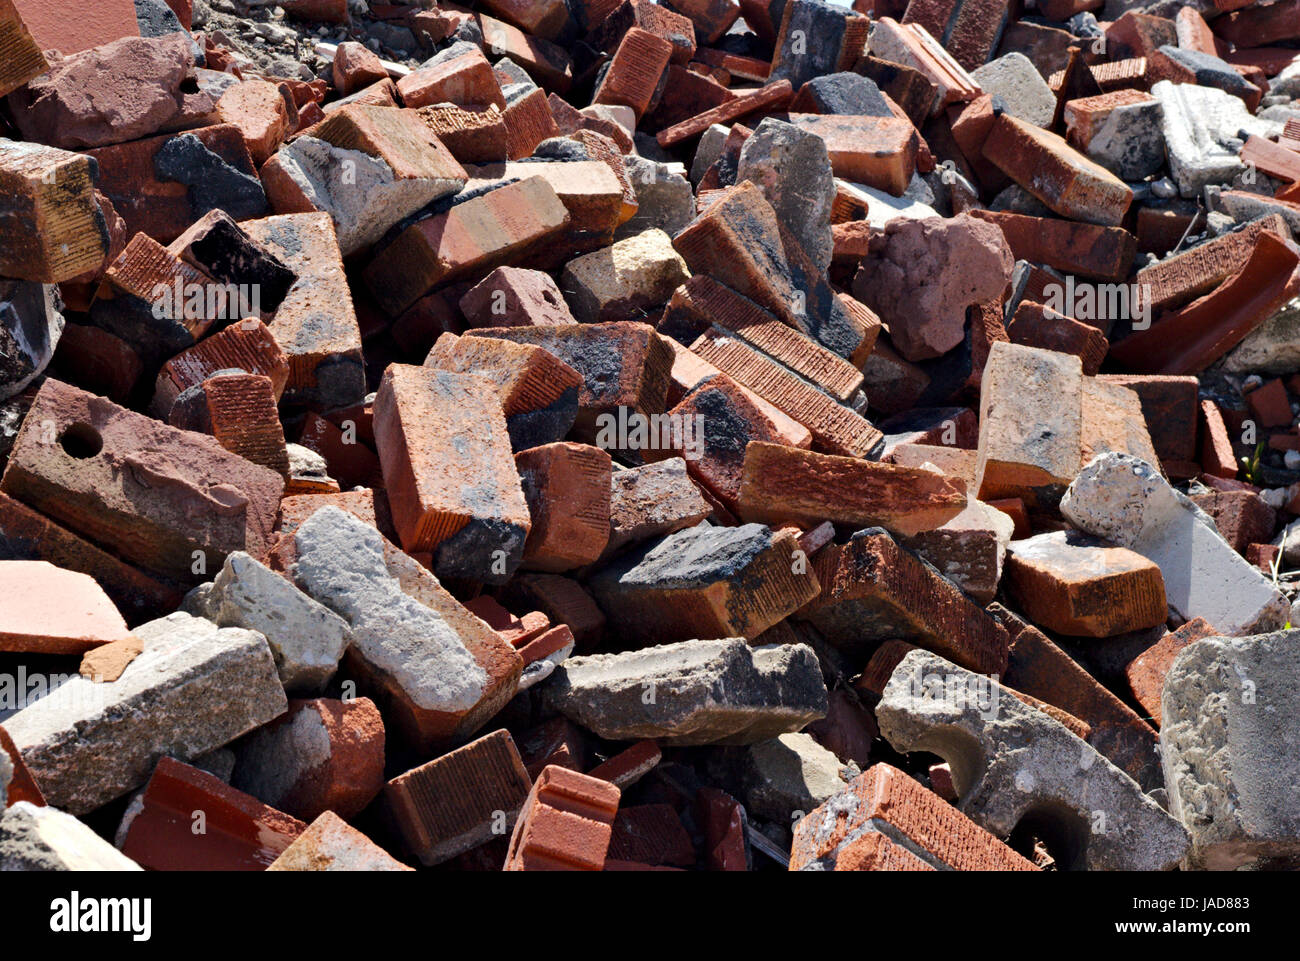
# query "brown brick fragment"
(1146, 672)
(458, 801)
(474, 236)
(872, 590)
(240, 832)
(475, 530)
(1075, 585)
(786, 484)
(1105, 253)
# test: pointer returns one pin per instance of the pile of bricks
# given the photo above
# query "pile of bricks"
(625, 435)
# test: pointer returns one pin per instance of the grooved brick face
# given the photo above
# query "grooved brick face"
(633, 74)
(567, 489)
(458, 801)
(20, 54)
(887, 801)
(51, 228)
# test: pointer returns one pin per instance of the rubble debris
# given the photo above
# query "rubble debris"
(550, 435)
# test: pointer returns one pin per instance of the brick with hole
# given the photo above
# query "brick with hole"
(452, 484)
(173, 502)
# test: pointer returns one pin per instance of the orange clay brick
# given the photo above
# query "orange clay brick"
(565, 824)
(784, 484)
(634, 72)
(461, 501)
(567, 487)
(885, 801)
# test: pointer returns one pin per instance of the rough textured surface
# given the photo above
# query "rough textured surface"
(1126, 501)
(1010, 761)
(196, 687)
(907, 279)
(306, 638)
(692, 692)
(329, 844)
(45, 839)
(1228, 737)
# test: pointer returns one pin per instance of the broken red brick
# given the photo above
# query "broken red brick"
(886, 800)
(460, 800)
(1146, 672)
(785, 484)
(418, 413)
(239, 833)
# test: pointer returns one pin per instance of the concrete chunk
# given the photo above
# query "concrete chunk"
(1014, 766)
(46, 839)
(195, 687)
(1229, 741)
(692, 693)
(1126, 501)
(307, 639)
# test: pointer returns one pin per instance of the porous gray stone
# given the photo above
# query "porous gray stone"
(664, 198)
(1011, 762)
(1129, 143)
(195, 687)
(6, 774)
(30, 327)
(1126, 501)
(793, 169)
(1202, 128)
(789, 775)
(307, 639)
(418, 653)
(1016, 80)
(1230, 742)
(1271, 348)
(1209, 70)
(359, 191)
(36, 838)
(707, 151)
(692, 693)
